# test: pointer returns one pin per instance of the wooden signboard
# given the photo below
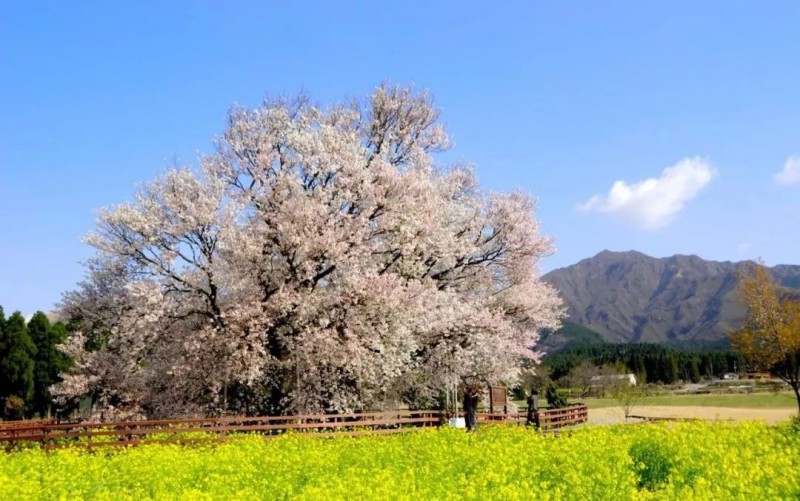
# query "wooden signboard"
(498, 399)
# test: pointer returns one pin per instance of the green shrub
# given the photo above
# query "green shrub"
(555, 398)
(14, 407)
(652, 464)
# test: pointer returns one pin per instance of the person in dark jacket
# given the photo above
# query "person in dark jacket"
(472, 394)
(533, 409)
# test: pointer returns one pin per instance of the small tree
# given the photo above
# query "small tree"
(626, 395)
(555, 398)
(534, 377)
(770, 332)
(592, 379)
(14, 407)
(581, 377)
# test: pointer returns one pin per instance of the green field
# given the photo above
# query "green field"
(784, 400)
(653, 461)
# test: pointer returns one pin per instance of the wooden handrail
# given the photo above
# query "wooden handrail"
(54, 435)
(220, 420)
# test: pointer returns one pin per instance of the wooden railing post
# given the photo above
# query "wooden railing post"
(135, 432)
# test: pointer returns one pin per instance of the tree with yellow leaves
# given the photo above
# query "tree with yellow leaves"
(770, 332)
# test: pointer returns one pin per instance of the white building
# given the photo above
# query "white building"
(604, 380)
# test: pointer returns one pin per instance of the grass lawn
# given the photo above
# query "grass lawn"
(783, 400)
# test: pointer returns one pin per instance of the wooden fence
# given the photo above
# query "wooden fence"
(52, 435)
(549, 419)
(10, 425)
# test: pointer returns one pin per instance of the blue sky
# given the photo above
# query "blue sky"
(561, 99)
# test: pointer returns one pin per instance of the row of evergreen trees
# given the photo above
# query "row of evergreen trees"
(30, 363)
(652, 363)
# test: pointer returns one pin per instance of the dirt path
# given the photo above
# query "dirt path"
(614, 414)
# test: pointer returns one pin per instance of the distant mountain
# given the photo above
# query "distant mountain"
(630, 297)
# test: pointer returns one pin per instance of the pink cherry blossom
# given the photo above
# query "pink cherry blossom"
(321, 260)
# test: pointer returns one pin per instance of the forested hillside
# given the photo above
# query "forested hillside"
(652, 363)
(631, 297)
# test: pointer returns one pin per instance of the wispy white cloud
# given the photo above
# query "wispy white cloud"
(744, 247)
(790, 174)
(654, 202)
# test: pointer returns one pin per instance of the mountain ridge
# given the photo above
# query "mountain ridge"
(632, 297)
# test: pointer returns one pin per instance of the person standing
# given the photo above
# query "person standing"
(471, 395)
(533, 409)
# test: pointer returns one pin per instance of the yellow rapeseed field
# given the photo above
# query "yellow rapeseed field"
(672, 461)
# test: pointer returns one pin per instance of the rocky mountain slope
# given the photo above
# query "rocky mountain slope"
(631, 297)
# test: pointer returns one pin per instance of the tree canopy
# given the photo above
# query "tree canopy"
(770, 331)
(16, 363)
(30, 363)
(49, 360)
(321, 260)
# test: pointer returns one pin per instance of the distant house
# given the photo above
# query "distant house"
(758, 376)
(604, 380)
(730, 376)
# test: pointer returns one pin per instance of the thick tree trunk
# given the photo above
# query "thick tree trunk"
(796, 388)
